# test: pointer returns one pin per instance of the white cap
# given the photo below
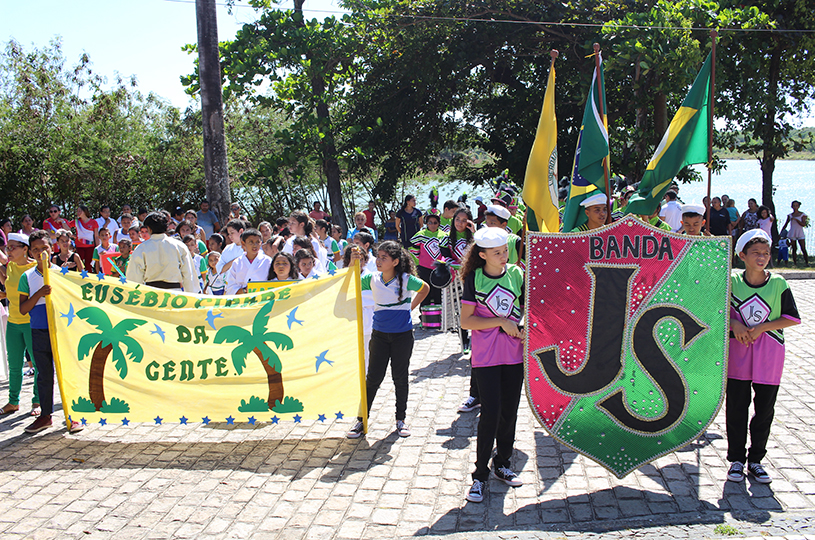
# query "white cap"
(694, 209)
(594, 200)
(750, 235)
(479, 199)
(490, 237)
(18, 237)
(500, 211)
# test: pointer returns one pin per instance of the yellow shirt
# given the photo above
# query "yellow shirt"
(14, 273)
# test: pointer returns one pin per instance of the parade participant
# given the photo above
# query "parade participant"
(32, 293)
(253, 265)
(392, 334)
(214, 283)
(144, 232)
(126, 223)
(199, 263)
(596, 209)
(693, 219)
(482, 208)
(455, 247)
(104, 219)
(359, 221)
(127, 209)
(765, 220)
(366, 242)
(207, 219)
(322, 228)
(215, 243)
(133, 233)
(497, 216)
(105, 246)
(408, 221)
(265, 229)
(301, 225)
(447, 213)
(66, 257)
(233, 250)
(492, 306)
(18, 328)
(336, 234)
(301, 242)
(27, 227)
(269, 247)
(55, 222)
(756, 354)
(283, 268)
(191, 217)
(797, 220)
(122, 259)
(306, 265)
(188, 228)
(6, 227)
(177, 216)
(426, 250)
(161, 261)
(514, 224)
(87, 237)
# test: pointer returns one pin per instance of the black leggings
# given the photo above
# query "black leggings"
(395, 348)
(499, 389)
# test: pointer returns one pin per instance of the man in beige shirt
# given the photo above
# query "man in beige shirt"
(161, 261)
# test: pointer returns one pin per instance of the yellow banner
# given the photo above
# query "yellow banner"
(258, 286)
(129, 352)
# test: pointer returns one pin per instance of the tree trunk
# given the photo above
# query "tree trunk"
(769, 137)
(96, 379)
(212, 109)
(328, 149)
(274, 379)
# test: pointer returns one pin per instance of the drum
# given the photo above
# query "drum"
(431, 316)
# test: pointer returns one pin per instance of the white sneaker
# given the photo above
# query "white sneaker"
(402, 429)
(356, 432)
(470, 404)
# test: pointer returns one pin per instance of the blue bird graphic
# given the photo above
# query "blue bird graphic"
(158, 331)
(69, 315)
(211, 318)
(293, 319)
(321, 359)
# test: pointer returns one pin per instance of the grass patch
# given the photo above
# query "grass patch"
(727, 530)
(289, 405)
(84, 405)
(116, 406)
(255, 404)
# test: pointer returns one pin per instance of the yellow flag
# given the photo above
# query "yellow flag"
(127, 352)
(540, 182)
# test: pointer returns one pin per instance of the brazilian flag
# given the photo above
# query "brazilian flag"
(591, 152)
(685, 143)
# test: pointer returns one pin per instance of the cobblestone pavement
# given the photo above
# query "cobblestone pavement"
(309, 481)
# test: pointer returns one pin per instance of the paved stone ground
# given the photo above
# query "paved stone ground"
(309, 481)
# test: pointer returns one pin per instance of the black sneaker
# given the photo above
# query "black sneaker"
(476, 493)
(507, 476)
(736, 472)
(356, 432)
(470, 404)
(759, 473)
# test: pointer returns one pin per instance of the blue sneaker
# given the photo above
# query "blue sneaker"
(476, 493)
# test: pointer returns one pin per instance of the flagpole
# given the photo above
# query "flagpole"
(600, 94)
(713, 35)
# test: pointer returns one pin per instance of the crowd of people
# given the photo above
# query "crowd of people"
(402, 259)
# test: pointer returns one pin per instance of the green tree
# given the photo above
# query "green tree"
(255, 342)
(109, 339)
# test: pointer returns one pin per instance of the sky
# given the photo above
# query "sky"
(131, 37)
(134, 37)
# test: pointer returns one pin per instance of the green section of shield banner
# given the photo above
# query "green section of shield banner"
(703, 291)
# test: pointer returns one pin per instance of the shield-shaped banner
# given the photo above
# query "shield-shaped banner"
(626, 351)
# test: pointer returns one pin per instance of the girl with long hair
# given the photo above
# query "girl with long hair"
(492, 305)
(392, 334)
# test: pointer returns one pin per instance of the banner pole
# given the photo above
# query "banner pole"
(600, 94)
(52, 334)
(363, 406)
(713, 35)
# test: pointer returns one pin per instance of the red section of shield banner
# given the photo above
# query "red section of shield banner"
(557, 298)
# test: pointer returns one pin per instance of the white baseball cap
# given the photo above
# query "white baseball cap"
(500, 211)
(490, 237)
(751, 235)
(594, 200)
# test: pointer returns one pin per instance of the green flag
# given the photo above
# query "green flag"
(685, 143)
(592, 149)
